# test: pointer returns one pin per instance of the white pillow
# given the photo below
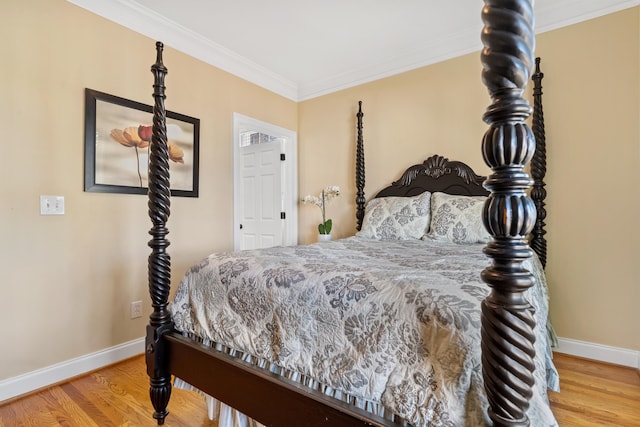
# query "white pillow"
(400, 218)
(457, 219)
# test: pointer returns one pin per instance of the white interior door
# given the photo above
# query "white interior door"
(261, 223)
(265, 186)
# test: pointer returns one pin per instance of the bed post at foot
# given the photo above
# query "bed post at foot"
(360, 199)
(159, 260)
(509, 213)
(539, 169)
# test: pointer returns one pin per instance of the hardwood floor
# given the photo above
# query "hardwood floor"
(593, 394)
(114, 396)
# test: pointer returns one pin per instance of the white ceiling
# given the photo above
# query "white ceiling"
(301, 49)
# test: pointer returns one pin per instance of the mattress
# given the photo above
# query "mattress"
(391, 325)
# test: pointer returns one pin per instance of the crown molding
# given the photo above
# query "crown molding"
(145, 21)
(130, 14)
(560, 13)
(436, 51)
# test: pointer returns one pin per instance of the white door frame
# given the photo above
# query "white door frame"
(289, 175)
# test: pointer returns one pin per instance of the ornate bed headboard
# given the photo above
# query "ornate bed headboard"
(437, 173)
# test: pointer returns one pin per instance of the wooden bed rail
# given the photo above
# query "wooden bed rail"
(266, 395)
(509, 213)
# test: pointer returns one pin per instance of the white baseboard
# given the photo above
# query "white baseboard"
(26, 383)
(602, 353)
(31, 381)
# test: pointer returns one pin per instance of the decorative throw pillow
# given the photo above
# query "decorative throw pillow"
(457, 219)
(400, 218)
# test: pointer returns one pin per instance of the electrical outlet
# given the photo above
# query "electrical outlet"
(136, 309)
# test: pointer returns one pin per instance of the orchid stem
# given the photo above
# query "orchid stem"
(324, 221)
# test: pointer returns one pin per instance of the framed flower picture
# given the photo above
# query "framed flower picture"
(117, 138)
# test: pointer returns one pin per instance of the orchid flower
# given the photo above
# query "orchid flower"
(325, 196)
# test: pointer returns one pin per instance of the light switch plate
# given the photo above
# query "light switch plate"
(51, 205)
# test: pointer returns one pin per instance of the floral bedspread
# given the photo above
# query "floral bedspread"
(393, 322)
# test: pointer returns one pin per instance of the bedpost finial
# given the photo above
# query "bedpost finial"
(158, 68)
(537, 80)
(537, 73)
(159, 49)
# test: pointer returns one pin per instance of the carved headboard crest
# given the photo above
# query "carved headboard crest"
(437, 173)
(438, 166)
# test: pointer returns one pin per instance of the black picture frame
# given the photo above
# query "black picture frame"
(117, 136)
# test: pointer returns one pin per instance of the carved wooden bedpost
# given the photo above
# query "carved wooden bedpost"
(159, 260)
(360, 199)
(539, 168)
(509, 213)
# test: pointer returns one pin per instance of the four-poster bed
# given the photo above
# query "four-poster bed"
(512, 347)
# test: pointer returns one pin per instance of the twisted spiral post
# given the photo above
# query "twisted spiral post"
(539, 168)
(159, 260)
(360, 199)
(509, 213)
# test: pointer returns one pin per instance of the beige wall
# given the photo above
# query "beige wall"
(66, 282)
(432, 110)
(592, 112)
(593, 133)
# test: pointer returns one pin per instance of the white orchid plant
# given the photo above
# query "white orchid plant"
(326, 195)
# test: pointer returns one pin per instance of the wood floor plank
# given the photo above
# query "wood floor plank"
(598, 407)
(571, 419)
(65, 410)
(622, 374)
(107, 400)
(117, 395)
(592, 394)
(88, 404)
(605, 386)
